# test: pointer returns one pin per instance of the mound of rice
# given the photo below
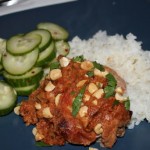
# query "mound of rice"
(125, 55)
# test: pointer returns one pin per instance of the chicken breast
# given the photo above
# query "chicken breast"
(78, 102)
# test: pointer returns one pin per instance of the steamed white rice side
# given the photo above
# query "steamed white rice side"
(125, 55)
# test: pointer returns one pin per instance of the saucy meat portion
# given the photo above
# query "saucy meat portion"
(78, 102)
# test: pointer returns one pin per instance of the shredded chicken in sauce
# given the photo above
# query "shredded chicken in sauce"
(78, 102)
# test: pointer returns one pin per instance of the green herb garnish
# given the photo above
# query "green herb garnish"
(98, 66)
(127, 104)
(110, 88)
(73, 93)
(90, 73)
(78, 58)
(116, 102)
(54, 65)
(77, 101)
(111, 79)
(41, 144)
(109, 91)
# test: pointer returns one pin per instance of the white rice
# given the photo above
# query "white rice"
(125, 55)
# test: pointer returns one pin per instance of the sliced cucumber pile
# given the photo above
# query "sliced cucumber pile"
(24, 57)
(62, 47)
(22, 44)
(26, 79)
(47, 55)
(18, 65)
(45, 35)
(57, 32)
(26, 90)
(8, 98)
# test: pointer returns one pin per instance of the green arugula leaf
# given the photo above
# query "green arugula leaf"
(98, 66)
(77, 101)
(78, 58)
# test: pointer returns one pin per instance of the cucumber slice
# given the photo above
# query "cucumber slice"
(1, 67)
(29, 78)
(22, 44)
(2, 47)
(8, 98)
(18, 65)
(26, 90)
(47, 55)
(46, 38)
(57, 32)
(62, 47)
